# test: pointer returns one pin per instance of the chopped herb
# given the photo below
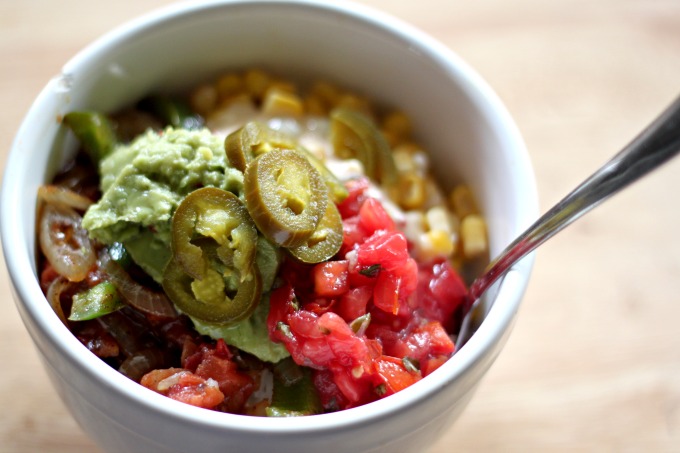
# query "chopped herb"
(370, 271)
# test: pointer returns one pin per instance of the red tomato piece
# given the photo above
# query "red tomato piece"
(357, 194)
(441, 291)
(386, 292)
(392, 375)
(331, 278)
(388, 249)
(353, 303)
(373, 217)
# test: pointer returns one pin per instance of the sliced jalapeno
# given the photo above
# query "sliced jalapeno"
(210, 300)
(337, 190)
(213, 275)
(252, 140)
(94, 131)
(353, 134)
(325, 241)
(285, 196)
(213, 213)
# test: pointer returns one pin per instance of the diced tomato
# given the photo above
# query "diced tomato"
(388, 249)
(432, 364)
(392, 375)
(319, 305)
(357, 194)
(235, 385)
(352, 234)
(373, 217)
(183, 385)
(194, 390)
(441, 291)
(353, 303)
(386, 292)
(281, 303)
(331, 278)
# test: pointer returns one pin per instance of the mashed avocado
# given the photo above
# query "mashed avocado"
(143, 183)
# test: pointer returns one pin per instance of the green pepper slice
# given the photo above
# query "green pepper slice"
(353, 134)
(324, 242)
(97, 301)
(171, 111)
(253, 139)
(285, 195)
(294, 392)
(250, 141)
(94, 131)
(213, 275)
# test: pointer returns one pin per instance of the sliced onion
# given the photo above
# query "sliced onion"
(58, 286)
(63, 196)
(65, 243)
(140, 297)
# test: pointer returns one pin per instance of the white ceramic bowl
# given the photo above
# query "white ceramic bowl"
(456, 116)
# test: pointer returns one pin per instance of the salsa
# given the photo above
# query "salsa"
(258, 249)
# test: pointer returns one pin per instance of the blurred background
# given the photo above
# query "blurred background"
(593, 363)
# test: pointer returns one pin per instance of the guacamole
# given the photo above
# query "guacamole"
(143, 183)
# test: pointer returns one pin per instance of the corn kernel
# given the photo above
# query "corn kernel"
(229, 85)
(281, 103)
(462, 201)
(355, 103)
(473, 236)
(256, 82)
(411, 193)
(398, 125)
(439, 218)
(433, 193)
(434, 244)
(414, 225)
(203, 99)
(327, 93)
(314, 105)
(403, 160)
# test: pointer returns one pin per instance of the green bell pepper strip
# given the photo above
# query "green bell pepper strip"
(97, 301)
(294, 392)
(94, 131)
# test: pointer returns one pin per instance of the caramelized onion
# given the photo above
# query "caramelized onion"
(138, 296)
(54, 291)
(64, 196)
(65, 243)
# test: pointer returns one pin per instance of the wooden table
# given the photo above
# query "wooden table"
(594, 361)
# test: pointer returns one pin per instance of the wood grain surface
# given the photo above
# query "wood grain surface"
(593, 363)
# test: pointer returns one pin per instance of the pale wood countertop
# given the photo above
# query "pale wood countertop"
(594, 361)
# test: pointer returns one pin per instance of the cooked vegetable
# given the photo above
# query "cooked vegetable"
(94, 131)
(65, 243)
(253, 139)
(97, 301)
(353, 134)
(325, 241)
(294, 392)
(213, 275)
(285, 195)
(171, 111)
(139, 296)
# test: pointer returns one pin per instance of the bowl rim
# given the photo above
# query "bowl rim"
(495, 324)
